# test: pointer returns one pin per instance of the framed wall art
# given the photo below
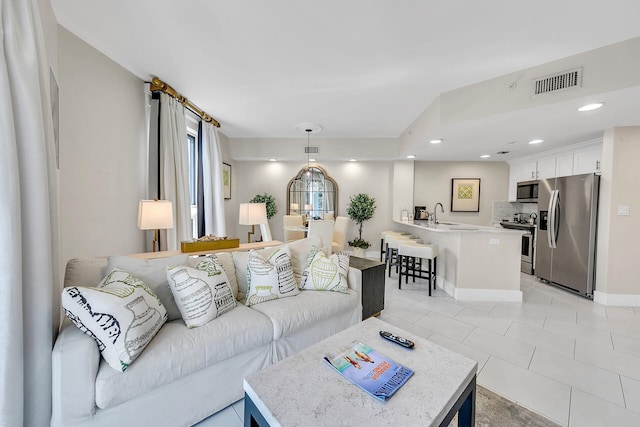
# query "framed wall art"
(465, 195)
(226, 180)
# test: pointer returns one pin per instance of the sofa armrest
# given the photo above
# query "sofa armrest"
(75, 360)
(354, 280)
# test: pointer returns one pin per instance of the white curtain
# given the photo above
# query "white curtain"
(214, 220)
(29, 267)
(174, 170)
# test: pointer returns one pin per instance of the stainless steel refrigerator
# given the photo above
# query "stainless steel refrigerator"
(566, 235)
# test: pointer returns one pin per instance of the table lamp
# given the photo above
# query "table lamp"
(252, 214)
(155, 215)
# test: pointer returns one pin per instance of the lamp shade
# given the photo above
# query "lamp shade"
(155, 214)
(252, 213)
(295, 206)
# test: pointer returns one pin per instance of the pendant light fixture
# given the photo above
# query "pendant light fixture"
(308, 149)
(308, 128)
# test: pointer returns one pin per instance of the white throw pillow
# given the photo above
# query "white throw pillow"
(326, 274)
(202, 293)
(122, 314)
(153, 273)
(269, 279)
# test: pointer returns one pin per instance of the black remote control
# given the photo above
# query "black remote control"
(396, 339)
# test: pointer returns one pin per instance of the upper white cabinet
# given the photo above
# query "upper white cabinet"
(573, 160)
(587, 160)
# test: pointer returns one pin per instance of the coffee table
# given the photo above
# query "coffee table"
(303, 390)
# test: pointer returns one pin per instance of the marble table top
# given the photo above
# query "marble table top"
(304, 390)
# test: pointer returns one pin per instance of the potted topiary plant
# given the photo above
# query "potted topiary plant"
(361, 208)
(272, 209)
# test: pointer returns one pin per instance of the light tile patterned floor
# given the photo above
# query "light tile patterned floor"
(565, 357)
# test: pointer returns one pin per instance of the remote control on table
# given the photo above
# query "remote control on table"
(396, 339)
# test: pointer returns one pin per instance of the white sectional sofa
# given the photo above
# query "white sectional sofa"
(184, 375)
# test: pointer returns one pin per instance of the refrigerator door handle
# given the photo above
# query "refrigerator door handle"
(552, 235)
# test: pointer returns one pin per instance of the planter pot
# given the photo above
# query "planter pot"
(359, 252)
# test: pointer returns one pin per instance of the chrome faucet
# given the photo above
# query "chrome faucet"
(435, 211)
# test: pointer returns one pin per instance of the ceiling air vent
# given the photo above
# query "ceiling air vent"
(559, 81)
(310, 150)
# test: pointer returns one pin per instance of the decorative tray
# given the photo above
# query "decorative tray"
(209, 245)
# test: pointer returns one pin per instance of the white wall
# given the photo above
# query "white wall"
(432, 184)
(102, 152)
(373, 178)
(618, 235)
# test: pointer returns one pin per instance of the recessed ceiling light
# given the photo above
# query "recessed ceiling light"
(312, 160)
(436, 141)
(590, 107)
(273, 160)
(353, 160)
(411, 156)
(536, 141)
(485, 156)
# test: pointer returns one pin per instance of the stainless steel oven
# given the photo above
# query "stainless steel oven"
(526, 253)
(527, 250)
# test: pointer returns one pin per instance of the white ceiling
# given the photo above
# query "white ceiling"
(359, 68)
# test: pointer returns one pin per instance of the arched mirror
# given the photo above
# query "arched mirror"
(313, 193)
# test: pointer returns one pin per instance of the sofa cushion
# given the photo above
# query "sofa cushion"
(202, 293)
(270, 278)
(325, 273)
(153, 273)
(178, 351)
(122, 314)
(289, 315)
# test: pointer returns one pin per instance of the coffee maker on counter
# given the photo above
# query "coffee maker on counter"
(420, 213)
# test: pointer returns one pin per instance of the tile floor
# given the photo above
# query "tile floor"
(565, 357)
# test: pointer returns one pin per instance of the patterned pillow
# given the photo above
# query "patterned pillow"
(153, 273)
(202, 293)
(326, 274)
(122, 314)
(269, 279)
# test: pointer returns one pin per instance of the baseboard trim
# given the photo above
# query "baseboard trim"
(497, 295)
(617, 300)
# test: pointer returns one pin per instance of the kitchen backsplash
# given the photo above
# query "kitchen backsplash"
(506, 210)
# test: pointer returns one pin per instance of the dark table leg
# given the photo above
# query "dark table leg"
(465, 407)
(252, 417)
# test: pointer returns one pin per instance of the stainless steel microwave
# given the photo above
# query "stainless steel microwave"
(527, 191)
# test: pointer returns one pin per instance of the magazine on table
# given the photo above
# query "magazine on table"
(374, 373)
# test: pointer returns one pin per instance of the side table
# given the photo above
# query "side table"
(372, 285)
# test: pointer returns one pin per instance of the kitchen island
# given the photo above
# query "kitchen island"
(474, 262)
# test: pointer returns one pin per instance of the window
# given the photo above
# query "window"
(193, 166)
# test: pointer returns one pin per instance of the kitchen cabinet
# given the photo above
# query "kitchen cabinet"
(564, 164)
(573, 160)
(587, 160)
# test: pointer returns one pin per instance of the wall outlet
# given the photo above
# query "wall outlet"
(494, 241)
(623, 210)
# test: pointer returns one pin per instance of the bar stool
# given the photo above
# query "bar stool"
(383, 234)
(392, 243)
(410, 256)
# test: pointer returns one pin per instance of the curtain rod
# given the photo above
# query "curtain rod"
(159, 85)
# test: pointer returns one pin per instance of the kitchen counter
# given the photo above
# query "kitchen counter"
(474, 262)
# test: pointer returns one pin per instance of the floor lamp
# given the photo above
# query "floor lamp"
(155, 215)
(252, 214)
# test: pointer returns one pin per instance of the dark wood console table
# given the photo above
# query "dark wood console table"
(372, 285)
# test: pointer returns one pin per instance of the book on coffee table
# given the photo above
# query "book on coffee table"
(376, 374)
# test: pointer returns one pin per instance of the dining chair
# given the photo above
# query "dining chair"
(340, 233)
(292, 220)
(324, 229)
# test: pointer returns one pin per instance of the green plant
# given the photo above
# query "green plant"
(359, 243)
(269, 201)
(361, 208)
